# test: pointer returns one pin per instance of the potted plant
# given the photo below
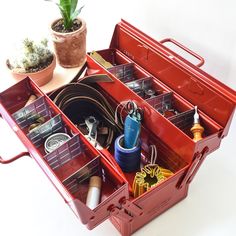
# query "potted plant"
(32, 59)
(69, 34)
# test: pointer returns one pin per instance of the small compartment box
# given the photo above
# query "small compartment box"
(167, 88)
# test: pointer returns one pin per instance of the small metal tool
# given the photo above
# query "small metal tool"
(167, 111)
(197, 129)
(196, 119)
(134, 111)
(92, 125)
(150, 93)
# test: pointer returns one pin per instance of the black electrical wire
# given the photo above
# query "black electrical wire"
(84, 100)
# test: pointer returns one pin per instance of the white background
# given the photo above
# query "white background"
(29, 205)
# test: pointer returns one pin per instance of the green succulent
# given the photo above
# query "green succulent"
(68, 10)
(30, 54)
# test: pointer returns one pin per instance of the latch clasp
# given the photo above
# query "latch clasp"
(195, 165)
(127, 211)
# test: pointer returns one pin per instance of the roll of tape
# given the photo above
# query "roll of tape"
(54, 141)
(127, 158)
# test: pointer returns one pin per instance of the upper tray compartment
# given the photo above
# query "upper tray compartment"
(211, 96)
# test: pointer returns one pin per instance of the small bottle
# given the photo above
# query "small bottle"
(197, 129)
(94, 192)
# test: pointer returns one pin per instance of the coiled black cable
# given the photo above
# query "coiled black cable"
(78, 101)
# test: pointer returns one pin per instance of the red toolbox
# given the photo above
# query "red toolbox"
(136, 60)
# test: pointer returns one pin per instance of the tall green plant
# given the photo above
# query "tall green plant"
(68, 10)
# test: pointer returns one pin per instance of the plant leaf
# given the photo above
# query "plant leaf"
(73, 6)
(65, 6)
(76, 13)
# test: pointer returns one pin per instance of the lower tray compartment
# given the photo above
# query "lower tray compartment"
(78, 182)
(74, 164)
(166, 158)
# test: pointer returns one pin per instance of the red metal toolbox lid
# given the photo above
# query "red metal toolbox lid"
(199, 88)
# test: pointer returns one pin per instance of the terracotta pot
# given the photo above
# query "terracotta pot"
(70, 48)
(40, 77)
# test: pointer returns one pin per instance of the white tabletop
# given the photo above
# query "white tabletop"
(30, 205)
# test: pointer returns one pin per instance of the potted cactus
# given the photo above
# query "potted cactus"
(32, 59)
(69, 34)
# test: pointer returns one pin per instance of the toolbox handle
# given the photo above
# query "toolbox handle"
(193, 168)
(170, 40)
(2, 161)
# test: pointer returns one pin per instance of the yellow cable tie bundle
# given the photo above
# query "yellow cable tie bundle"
(167, 173)
(149, 176)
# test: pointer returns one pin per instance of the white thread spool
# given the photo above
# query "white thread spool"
(94, 192)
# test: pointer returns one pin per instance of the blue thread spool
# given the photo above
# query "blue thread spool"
(127, 158)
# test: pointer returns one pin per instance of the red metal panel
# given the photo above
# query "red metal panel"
(177, 79)
(183, 77)
(112, 194)
(178, 141)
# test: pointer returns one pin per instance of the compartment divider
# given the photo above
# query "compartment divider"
(124, 72)
(38, 134)
(74, 182)
(144, 87)
(27, 115)
(161, 102)
(64, 153)
(183, 120)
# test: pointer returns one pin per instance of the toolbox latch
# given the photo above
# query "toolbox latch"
(120, 214)
(199, 157)
(130, 207)
(127, 211)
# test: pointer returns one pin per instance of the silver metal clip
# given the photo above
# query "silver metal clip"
(92, 125)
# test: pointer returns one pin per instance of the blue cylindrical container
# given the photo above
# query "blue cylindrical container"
(127, 158)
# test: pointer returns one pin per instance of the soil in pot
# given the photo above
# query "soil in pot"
(37, 68)
(59, 26)
(40, 77)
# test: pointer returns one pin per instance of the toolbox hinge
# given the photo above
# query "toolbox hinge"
(127, 210)
(121, 214)
(133, 209)
(199, 157)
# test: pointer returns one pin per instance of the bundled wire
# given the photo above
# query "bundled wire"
(150, 175)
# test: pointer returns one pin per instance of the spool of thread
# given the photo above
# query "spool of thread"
(127, 159)
(94, 192)
(31, 99)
